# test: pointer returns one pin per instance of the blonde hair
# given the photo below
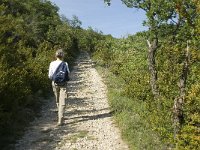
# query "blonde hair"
(60, 53)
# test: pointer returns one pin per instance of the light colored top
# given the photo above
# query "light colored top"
(53, 66)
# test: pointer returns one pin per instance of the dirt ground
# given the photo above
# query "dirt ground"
(88, 119)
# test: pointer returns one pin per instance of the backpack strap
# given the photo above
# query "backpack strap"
(57, 69)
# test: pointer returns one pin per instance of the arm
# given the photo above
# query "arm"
(50, 71)
(67, 67)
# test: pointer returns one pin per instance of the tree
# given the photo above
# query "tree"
(158, 13)
(175, 22)
(75, 22)
(30, 31)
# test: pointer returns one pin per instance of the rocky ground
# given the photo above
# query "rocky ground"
(88, 119)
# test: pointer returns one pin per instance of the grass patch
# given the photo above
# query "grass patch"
(131, 115)
(92, 138)
(73, 138)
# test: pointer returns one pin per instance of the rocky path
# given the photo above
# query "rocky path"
(88, 119)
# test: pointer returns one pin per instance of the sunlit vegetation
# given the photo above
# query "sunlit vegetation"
(30, 32)
(153, 77)
(159, 71)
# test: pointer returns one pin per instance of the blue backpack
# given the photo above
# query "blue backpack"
(60, 76)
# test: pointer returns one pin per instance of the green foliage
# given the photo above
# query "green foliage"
(126, 59)
(131, 115)
(30, 33)
(88, 39)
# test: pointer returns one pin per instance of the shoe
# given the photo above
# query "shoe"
(60, 123)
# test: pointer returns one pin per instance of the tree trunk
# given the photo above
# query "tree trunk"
(179, 101)
(152, 66)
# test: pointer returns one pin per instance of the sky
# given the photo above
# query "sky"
(117, 19)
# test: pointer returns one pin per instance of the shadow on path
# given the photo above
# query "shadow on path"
(44, 134)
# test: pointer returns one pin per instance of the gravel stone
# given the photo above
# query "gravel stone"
(88, 119)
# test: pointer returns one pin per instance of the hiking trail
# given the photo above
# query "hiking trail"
(88, 120)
